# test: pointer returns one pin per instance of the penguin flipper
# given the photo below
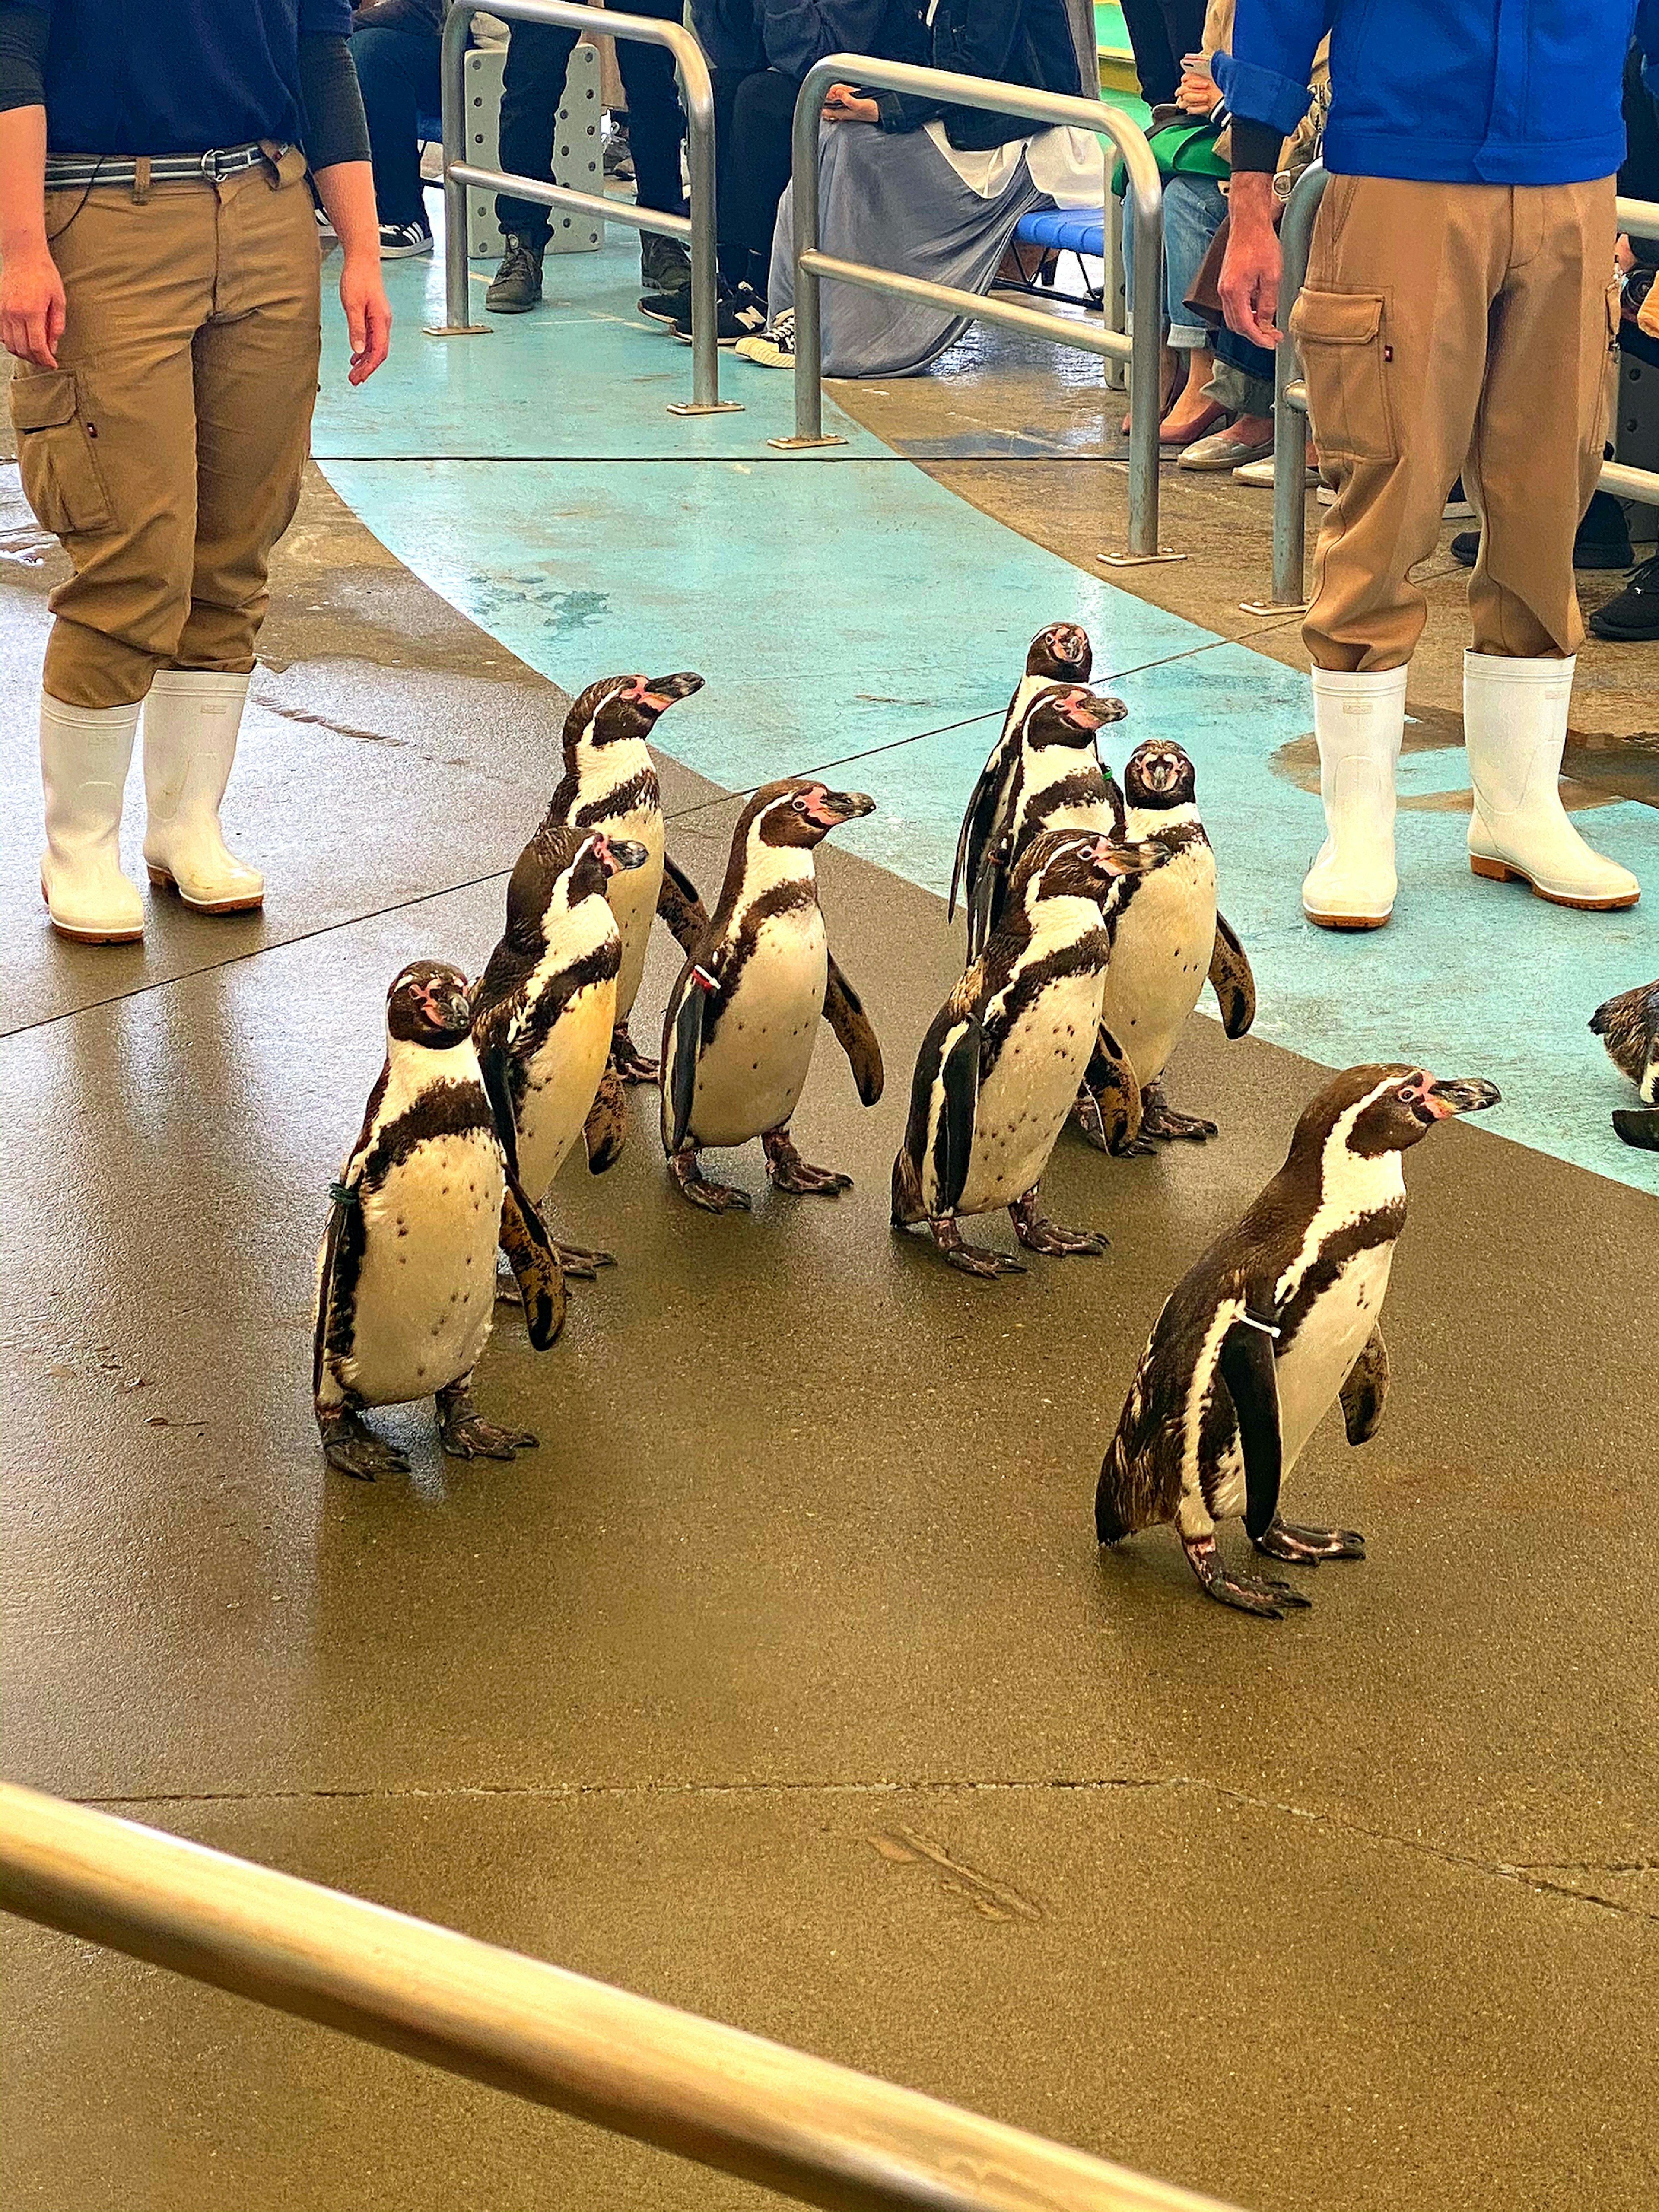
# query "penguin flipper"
(989, 894)
(1366, 1391)
(844, 1010)
(679, 906)
(1235, 984)
(606, 1126)
(681, 1046)
(1110, 1082)
(979, 823)
(1248, 1370)
(535, 1264)
(953, 1139)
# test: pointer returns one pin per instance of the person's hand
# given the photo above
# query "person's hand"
(841, 104)
(31, 308)
(1624, 256)
(1250, 273)
(367, 314)
(1197, 95)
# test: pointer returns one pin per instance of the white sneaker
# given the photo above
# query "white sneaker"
(1514, 730)
(192, 718)
(85, 752)
(400, 240)
(773, 349)
(1360, 720)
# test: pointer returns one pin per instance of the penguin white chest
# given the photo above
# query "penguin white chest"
(1313, 1367)
(426, 1288)
(633, 893)
(1025, 1096)
(753, 1070)
(1160, 958)
(561, 1079)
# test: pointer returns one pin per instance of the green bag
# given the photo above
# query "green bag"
(1181, 150)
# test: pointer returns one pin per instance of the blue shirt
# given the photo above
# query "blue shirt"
(176, 76)
(1494, 92)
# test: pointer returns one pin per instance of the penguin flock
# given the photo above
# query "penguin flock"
(1092, 926)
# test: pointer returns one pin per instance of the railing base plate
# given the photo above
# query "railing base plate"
(705, 407)
(1273, 606)
(457, 330)
(803, 445)
(1139, 560)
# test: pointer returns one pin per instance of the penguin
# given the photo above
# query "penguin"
(1060, 654)
(1279, 1319)
(1170, 937)
(1629, 1027)
(406, 1273)
(609, 783)
(1053, 778)
(742, 1018)
(998, 1071)
(544, 1012)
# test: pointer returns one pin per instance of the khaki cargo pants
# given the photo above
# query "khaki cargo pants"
(1448, 329)
(165, 450)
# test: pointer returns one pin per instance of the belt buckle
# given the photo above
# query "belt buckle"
(209, 165)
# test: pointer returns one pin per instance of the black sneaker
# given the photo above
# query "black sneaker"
(516, 286)
(741, 315)
(618, 155)
(399, 240)
(667, 306)
(1632, 617)
(664, 264)
(1602, 540)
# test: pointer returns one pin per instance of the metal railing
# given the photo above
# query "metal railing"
(697, 231)
(1049, 108)
(1291, 398)
(800, 2125)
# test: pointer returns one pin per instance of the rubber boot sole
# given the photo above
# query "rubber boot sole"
(164, 882)
(1348, 920)
(91, 936)
(1500, 872)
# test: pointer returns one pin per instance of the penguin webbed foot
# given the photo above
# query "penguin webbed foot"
(1306, 1548)
(464, 1432)
(1258, 1594)
(971, 1259)
(712, 1197)
(352, 1447)
(1159, 1120)
(786, 1171)
(1038, 1234)
(629, 1062)
(575, 1260)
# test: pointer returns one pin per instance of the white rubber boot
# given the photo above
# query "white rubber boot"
(1515, 730)
(190, 721)
(1360, 720)
(85, 752)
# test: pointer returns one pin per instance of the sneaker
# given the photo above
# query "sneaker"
(1633, 618)
(399, 240)
(664, 264)
(667, 306)
(1459, 507)
(516, 286)
(742, 314)
(618, 156)
(773, 349)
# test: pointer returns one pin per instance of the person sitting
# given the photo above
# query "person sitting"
(931, 191)
(394, 45)
(1162, 32)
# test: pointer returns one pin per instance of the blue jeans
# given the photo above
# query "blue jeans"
(1193, 209)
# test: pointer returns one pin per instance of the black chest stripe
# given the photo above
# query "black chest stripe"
(1086, 958)
(738, 950)
(545, 1009)
(1380, 1226)
(640, 794)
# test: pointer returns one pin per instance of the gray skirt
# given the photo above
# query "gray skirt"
(891, 198)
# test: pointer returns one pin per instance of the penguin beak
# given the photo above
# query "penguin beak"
(1091, 710)
(1128, 859)
(661, 691)
(449, 1008)
(837, 806)
(616, 854)
(1466, 1094)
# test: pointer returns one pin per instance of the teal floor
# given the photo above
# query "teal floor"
(845, 608)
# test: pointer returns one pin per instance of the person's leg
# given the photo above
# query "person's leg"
(533, 86)
(733, 254)
(1157, 67)
(398, 70)
(1532, 466)
(761, 124)
(255, 368)
(1193, 210)
(656, 124)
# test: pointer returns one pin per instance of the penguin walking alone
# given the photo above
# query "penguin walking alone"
(998, 1071)
(609, 783)
(1279, 1320)
(742, 1018)
(406, 1274)
(1629, 1028)
(1051, 777)
(1170, 937)
(544, 1010)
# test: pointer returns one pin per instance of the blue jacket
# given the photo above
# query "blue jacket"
(1464, 92)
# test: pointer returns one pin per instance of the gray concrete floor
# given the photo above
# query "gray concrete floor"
(785, 1681)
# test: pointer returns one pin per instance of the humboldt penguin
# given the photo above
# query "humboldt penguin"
(1052, 777)
(609, 784)
(406, 1273)
(1277, 1322)
(1629, 1027)
(742, 1018)
(544, 1012)
(1170, 936)
(998, 1071)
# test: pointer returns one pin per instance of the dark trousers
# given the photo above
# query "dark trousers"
(1160, 32)
(398, 70)
(754, 109)
(536, 58)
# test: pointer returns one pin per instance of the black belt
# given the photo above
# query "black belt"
(73, 170)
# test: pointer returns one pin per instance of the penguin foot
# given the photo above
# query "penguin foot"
(573, 1260)
(1038, 1235)
(1306, 1548)
(629, 1062)
(1162, 1121)
(1257, 1594)
(350, 1445)
(786, 1171)
(464, 1434)
(713, 1197)
(971, 1259)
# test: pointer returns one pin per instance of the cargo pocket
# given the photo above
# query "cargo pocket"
(1340, 335)
(55, 458)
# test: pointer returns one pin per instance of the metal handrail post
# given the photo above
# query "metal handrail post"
(801, 2125)
(1290, 405)
(698, 230)
(1141, 351)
